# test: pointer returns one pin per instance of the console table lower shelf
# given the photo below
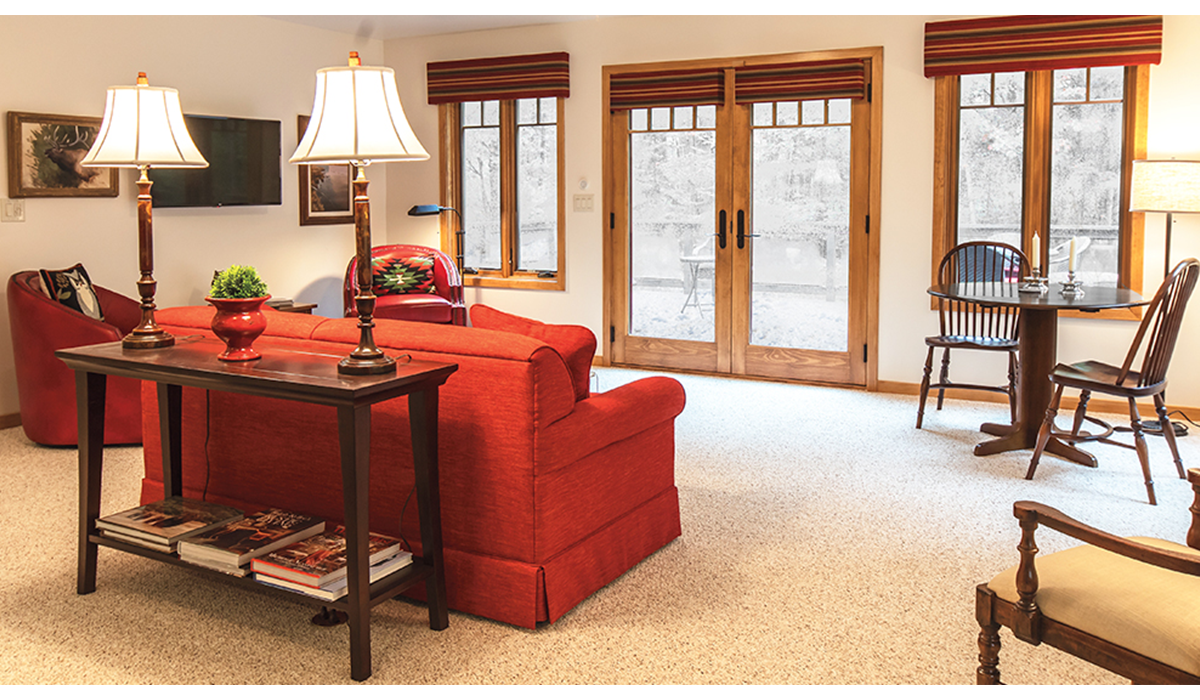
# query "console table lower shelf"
(285, 373)
(381, 591)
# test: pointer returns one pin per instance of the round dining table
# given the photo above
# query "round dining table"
(1037, 349)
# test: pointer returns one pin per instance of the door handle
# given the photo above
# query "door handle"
(721, 230)
(741, 229)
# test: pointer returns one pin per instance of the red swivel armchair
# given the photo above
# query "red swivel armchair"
(443, 305)
(40, 325)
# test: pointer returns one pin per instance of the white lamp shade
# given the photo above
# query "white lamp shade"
(143, 126)
(1166, 186)
(357, 118)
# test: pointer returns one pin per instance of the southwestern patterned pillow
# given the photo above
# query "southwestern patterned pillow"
(400, 274)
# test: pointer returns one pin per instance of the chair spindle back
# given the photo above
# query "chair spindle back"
(985, 263)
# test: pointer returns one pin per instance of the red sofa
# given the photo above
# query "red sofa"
(548, 492)
(45, 387)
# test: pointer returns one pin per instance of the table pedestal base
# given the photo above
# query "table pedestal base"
(1017, 438)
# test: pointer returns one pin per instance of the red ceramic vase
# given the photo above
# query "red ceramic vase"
(238, 322)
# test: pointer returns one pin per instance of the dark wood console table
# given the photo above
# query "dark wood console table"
(285, 373)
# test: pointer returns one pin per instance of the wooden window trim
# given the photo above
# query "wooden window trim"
(1036, 186)
(450, 183)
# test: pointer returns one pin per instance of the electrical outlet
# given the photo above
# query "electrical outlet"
(583, 202)
(14, 210)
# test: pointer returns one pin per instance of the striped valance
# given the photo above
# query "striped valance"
(697, 86)
(1040, 42)
(501, 78)
(812, 80)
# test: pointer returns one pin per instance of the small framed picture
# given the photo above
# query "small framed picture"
(326, 196)
(44, 154)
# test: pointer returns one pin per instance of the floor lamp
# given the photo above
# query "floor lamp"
(357, 119)
(143, 128)
(1171, 187)
(430, 210)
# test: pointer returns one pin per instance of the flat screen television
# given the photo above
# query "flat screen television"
(243, 166)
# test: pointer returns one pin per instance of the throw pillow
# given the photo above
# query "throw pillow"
(575, 344)
(73, 288)
(402, 274)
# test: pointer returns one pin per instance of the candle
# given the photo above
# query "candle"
(1037, 251)
(1071, 260)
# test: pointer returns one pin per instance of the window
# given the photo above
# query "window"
(1045, 152)
(1038, 121)
(501, 138)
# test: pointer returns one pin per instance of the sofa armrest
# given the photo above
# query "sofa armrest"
(604, 419)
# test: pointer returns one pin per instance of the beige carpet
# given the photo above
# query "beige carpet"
(825, 541)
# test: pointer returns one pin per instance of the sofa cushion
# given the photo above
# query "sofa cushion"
(72, 288)
(393, 273)
(575, 344)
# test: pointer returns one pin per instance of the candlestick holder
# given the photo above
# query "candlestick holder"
(1034, 284)
(1072, 288)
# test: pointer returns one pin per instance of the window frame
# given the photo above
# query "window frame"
(450, 157)
(1035, 205)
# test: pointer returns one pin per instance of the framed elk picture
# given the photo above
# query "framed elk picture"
(44, 154)
(326, 195)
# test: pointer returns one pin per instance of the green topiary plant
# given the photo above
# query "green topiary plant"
(237, 282)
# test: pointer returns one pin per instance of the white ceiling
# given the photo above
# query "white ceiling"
(387, 27)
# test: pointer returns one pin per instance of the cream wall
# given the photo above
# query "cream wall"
(907, 164)
(263, 68)
(228, 66)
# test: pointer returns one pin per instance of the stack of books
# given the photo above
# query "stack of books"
(162, 524)
(230, 547)
(316, 566)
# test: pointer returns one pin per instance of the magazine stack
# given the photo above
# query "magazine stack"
(162, 524)
(230, 547)
(316, 566)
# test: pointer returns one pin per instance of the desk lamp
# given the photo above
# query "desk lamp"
(430, 210)
(143, 127)
(357, 119)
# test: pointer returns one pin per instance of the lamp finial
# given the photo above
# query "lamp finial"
(354, 60)
(142, 79)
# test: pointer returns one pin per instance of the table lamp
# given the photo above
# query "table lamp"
(143, 128)
(1168, 186)
(357, 119)
(430, 210)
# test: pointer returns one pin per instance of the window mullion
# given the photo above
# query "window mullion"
(1039, 90)
(508, 187)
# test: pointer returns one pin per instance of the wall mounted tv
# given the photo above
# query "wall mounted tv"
(243, 166)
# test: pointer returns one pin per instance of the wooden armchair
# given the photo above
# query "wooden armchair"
(1125, 604)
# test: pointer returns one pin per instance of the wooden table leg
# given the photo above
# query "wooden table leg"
(90, 391)
(354, 437)
(1038, 355)
(423, 422)
(170, 427)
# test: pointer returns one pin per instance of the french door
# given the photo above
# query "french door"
(740, 216)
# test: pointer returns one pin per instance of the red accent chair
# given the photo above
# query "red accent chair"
(40, 325)
(444, 305)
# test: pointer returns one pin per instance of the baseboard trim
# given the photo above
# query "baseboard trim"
(11, 420)
(1069, 402)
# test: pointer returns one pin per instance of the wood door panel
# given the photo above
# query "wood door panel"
(788, 363)
(681, 354)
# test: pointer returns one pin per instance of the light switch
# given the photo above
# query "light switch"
(14, 210)
(584, 202)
